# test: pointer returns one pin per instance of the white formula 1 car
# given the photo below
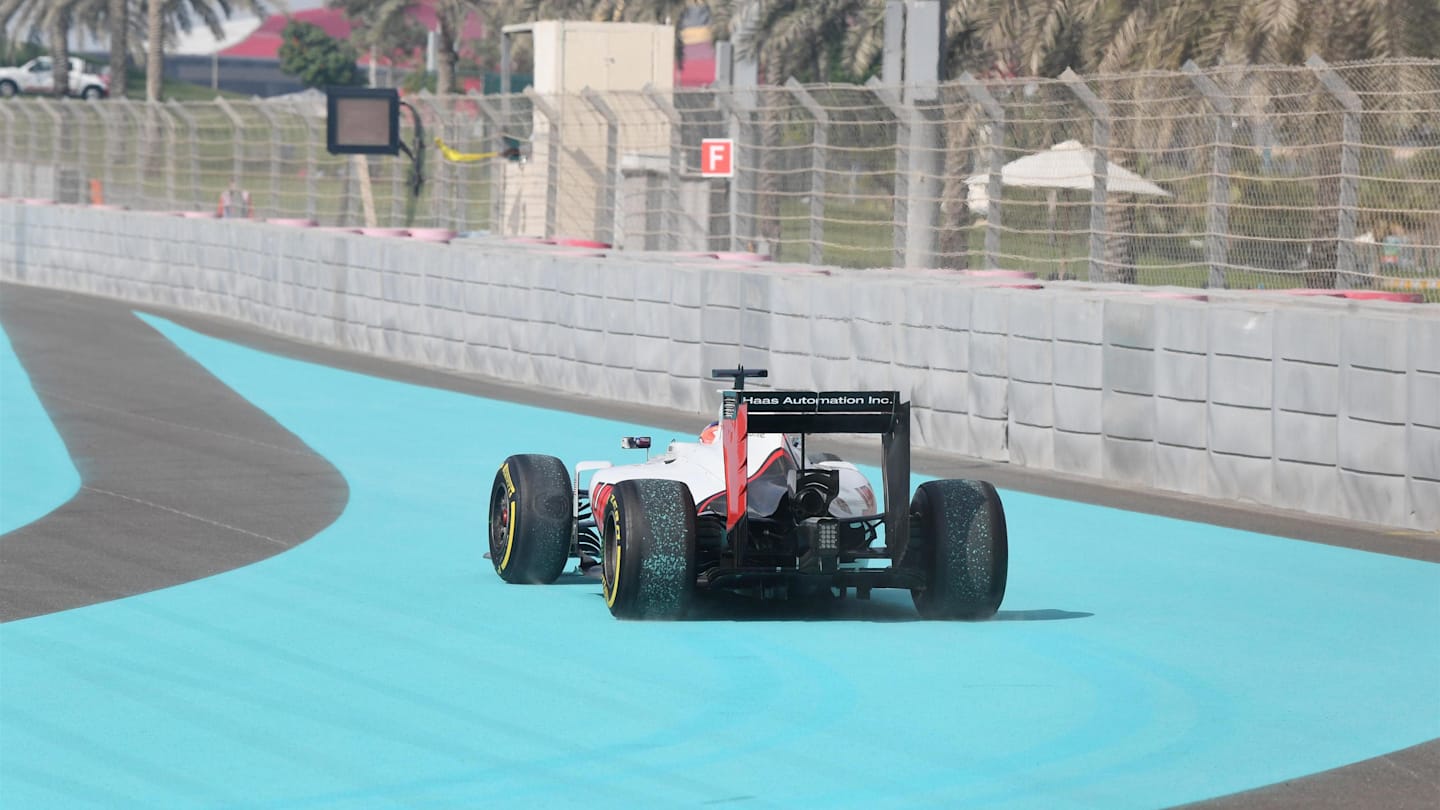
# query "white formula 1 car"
(745, 509)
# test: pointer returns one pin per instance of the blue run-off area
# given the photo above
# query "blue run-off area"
(1137, 661)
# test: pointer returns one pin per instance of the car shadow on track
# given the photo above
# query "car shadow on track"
(881, 607)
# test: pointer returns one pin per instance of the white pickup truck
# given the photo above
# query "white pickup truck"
(38, 76)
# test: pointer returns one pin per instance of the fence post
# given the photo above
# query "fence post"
(677, 157)
(276, 161)
(608, 197)
(1217, 211)
(1100, 128)
(193, 137)
(55, 146)
(108, 139)
(818, 156)
(995, 165)
(497, 166)
(742, 204)
(7, 183)
(1349, 167)
(552, 167)
(238, 148)
(891, 99)
(311, 167)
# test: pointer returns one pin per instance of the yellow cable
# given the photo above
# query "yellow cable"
(455, 156)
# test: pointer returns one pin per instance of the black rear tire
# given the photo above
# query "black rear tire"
(531, 519)
(648, 535)
(957, 536)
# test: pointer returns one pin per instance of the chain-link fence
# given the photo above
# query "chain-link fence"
(1294, 176)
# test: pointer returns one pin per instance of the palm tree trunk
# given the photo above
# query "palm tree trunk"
(154, 49)
(119, 46)
(446, 59)
(60, 51)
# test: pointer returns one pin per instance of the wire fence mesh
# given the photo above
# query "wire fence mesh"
(1280, 176)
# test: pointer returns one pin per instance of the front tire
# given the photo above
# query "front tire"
(957, 532)
(649, 549)
(8, 89)
(531, 519)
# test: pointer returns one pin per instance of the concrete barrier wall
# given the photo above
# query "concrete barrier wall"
(1320, 405)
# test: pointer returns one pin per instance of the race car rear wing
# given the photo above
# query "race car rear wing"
(807, 412)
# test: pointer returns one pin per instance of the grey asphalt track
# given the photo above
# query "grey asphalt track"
(182, 479)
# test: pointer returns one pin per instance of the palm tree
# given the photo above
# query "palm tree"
(54, 19)
(168, 16)
(389, 25)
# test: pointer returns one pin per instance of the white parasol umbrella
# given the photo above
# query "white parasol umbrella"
(1066, 165)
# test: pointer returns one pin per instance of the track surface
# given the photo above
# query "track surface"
(1145, 661)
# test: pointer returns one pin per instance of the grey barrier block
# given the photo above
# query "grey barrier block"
(590, 346)
(1306, 437)
(1079, 318)
(1129, 323)
(872, 340)
(990, 311)
(1241, 478)
(1376, 342)
(988, 438)
(1377, 396)
(950, 310)
(790, 296)
(1241, 381)
(1032, 404)
(1127, 416)
(684, 324)
(721, 289)
(1425, 399)
(949, 393)
(989, 396)
(1078, 453)
(1425, 342)
(1032, 446)
(1130, 370)
(1241, 331)
(650, 354)
(720, 325)
(1373, 498)
(1424, 443)
(1313, 488)
(1128, 460)
(1182, 326)
(1032, 316)
(755, 328)
(1371, 447)
(687, 287)
(652, 319)
(1424, 499)
(1182, 469)
(1307, 388)
(1240, 431)
(988, 354)
(790, 370)
(1078, 364)
(1030, 359)
(1182, 376)
(949, 352)
(1181, 423)
(830, 338)
(836, 375)
(1078, 410)
(945, 431)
